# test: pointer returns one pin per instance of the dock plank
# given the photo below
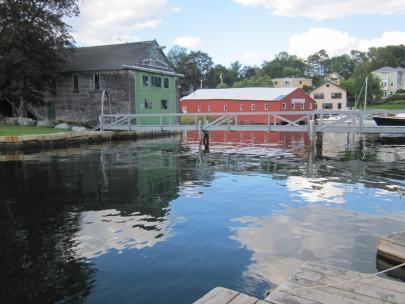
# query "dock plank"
(299, 289)
(360, 291)
(218, 295)
(392, 246)
(350, 275)
(243, 299)
(316, 295)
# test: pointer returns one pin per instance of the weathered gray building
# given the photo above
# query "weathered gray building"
(137, 77)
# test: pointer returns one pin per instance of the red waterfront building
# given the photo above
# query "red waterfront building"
(247, 100)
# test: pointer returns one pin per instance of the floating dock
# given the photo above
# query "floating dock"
(315, 283)
(392, 247)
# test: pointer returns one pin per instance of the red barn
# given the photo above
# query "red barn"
(247, 100)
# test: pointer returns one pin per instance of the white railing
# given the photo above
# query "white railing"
(298, 121)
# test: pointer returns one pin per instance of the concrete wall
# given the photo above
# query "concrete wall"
(84, 105)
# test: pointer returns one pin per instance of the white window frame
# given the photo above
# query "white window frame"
(253, 107)
(310, 105)
(284, 106)
(266, 106)
(241, 107)
(292, 106)
(225, 108)
(198, 108)
(303, 106)
(209, 108)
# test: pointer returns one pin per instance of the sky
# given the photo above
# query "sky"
(250, 31)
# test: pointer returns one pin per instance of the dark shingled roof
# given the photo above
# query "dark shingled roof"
(106, 57)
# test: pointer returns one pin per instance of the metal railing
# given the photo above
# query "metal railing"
(284, 121)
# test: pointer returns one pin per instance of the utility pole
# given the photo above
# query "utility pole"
(201, 81)
(221, 77)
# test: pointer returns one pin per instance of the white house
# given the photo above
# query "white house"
(330, 96)
(392, 79)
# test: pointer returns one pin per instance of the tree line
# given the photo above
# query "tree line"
(200, 71)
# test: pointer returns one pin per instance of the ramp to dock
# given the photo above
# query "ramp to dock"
(315, 283)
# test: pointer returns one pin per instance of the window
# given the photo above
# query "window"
(166, 83)
(327, 106)
(284, 106)
(293, 106)
(287, 83)
(198, 108)
(209, 108)
(184, 109)
(148, 104)
(339, 106)
(163, 104)
(241, 107)
(275, 82)
(266, 106)
(145, 80)
(225, 108)
(97, 81)
(310, 105)
(336, 95)
(303, 106)
(253, 107)
(76, 83)
(156, 82)
(319, 96)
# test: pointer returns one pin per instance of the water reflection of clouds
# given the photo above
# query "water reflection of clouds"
(316, 190)
(105, 230)
(281, 242)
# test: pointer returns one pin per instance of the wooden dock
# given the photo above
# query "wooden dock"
(339, 286)
(392, 247)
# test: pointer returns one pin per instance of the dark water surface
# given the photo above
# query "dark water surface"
(158, 222)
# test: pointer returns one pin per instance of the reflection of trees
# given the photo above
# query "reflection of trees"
(37, 259)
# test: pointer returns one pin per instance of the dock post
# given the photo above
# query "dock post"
(319, 144)
(206, 140)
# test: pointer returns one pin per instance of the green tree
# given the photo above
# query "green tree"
(317, 65)
(34, 42)
(176, 54)
(284, 65)
(222, 86)
(195, 66)
(257, 81)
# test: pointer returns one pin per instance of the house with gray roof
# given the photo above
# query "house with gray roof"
(392, 79)
(137, 77)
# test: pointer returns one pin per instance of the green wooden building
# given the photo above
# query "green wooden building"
(138, 78)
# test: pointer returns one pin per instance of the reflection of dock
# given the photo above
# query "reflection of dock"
(316, 283)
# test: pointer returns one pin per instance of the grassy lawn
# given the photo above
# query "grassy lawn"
(9, 130)
(393, 105)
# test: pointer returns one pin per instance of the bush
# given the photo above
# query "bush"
(396, 97)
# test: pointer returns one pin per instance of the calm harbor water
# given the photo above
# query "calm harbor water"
(158, 222)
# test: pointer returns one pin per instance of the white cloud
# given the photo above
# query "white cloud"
(336, 42)
(189, 42)
(250, 56)
(328, 9)
(104, 21)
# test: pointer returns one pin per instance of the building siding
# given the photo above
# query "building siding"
(155, 96)
(327, 90)
(217, 106)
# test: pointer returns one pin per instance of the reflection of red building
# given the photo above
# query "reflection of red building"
(284, 139)
(248, 100)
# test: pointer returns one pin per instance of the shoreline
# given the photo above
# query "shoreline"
(69, 139)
